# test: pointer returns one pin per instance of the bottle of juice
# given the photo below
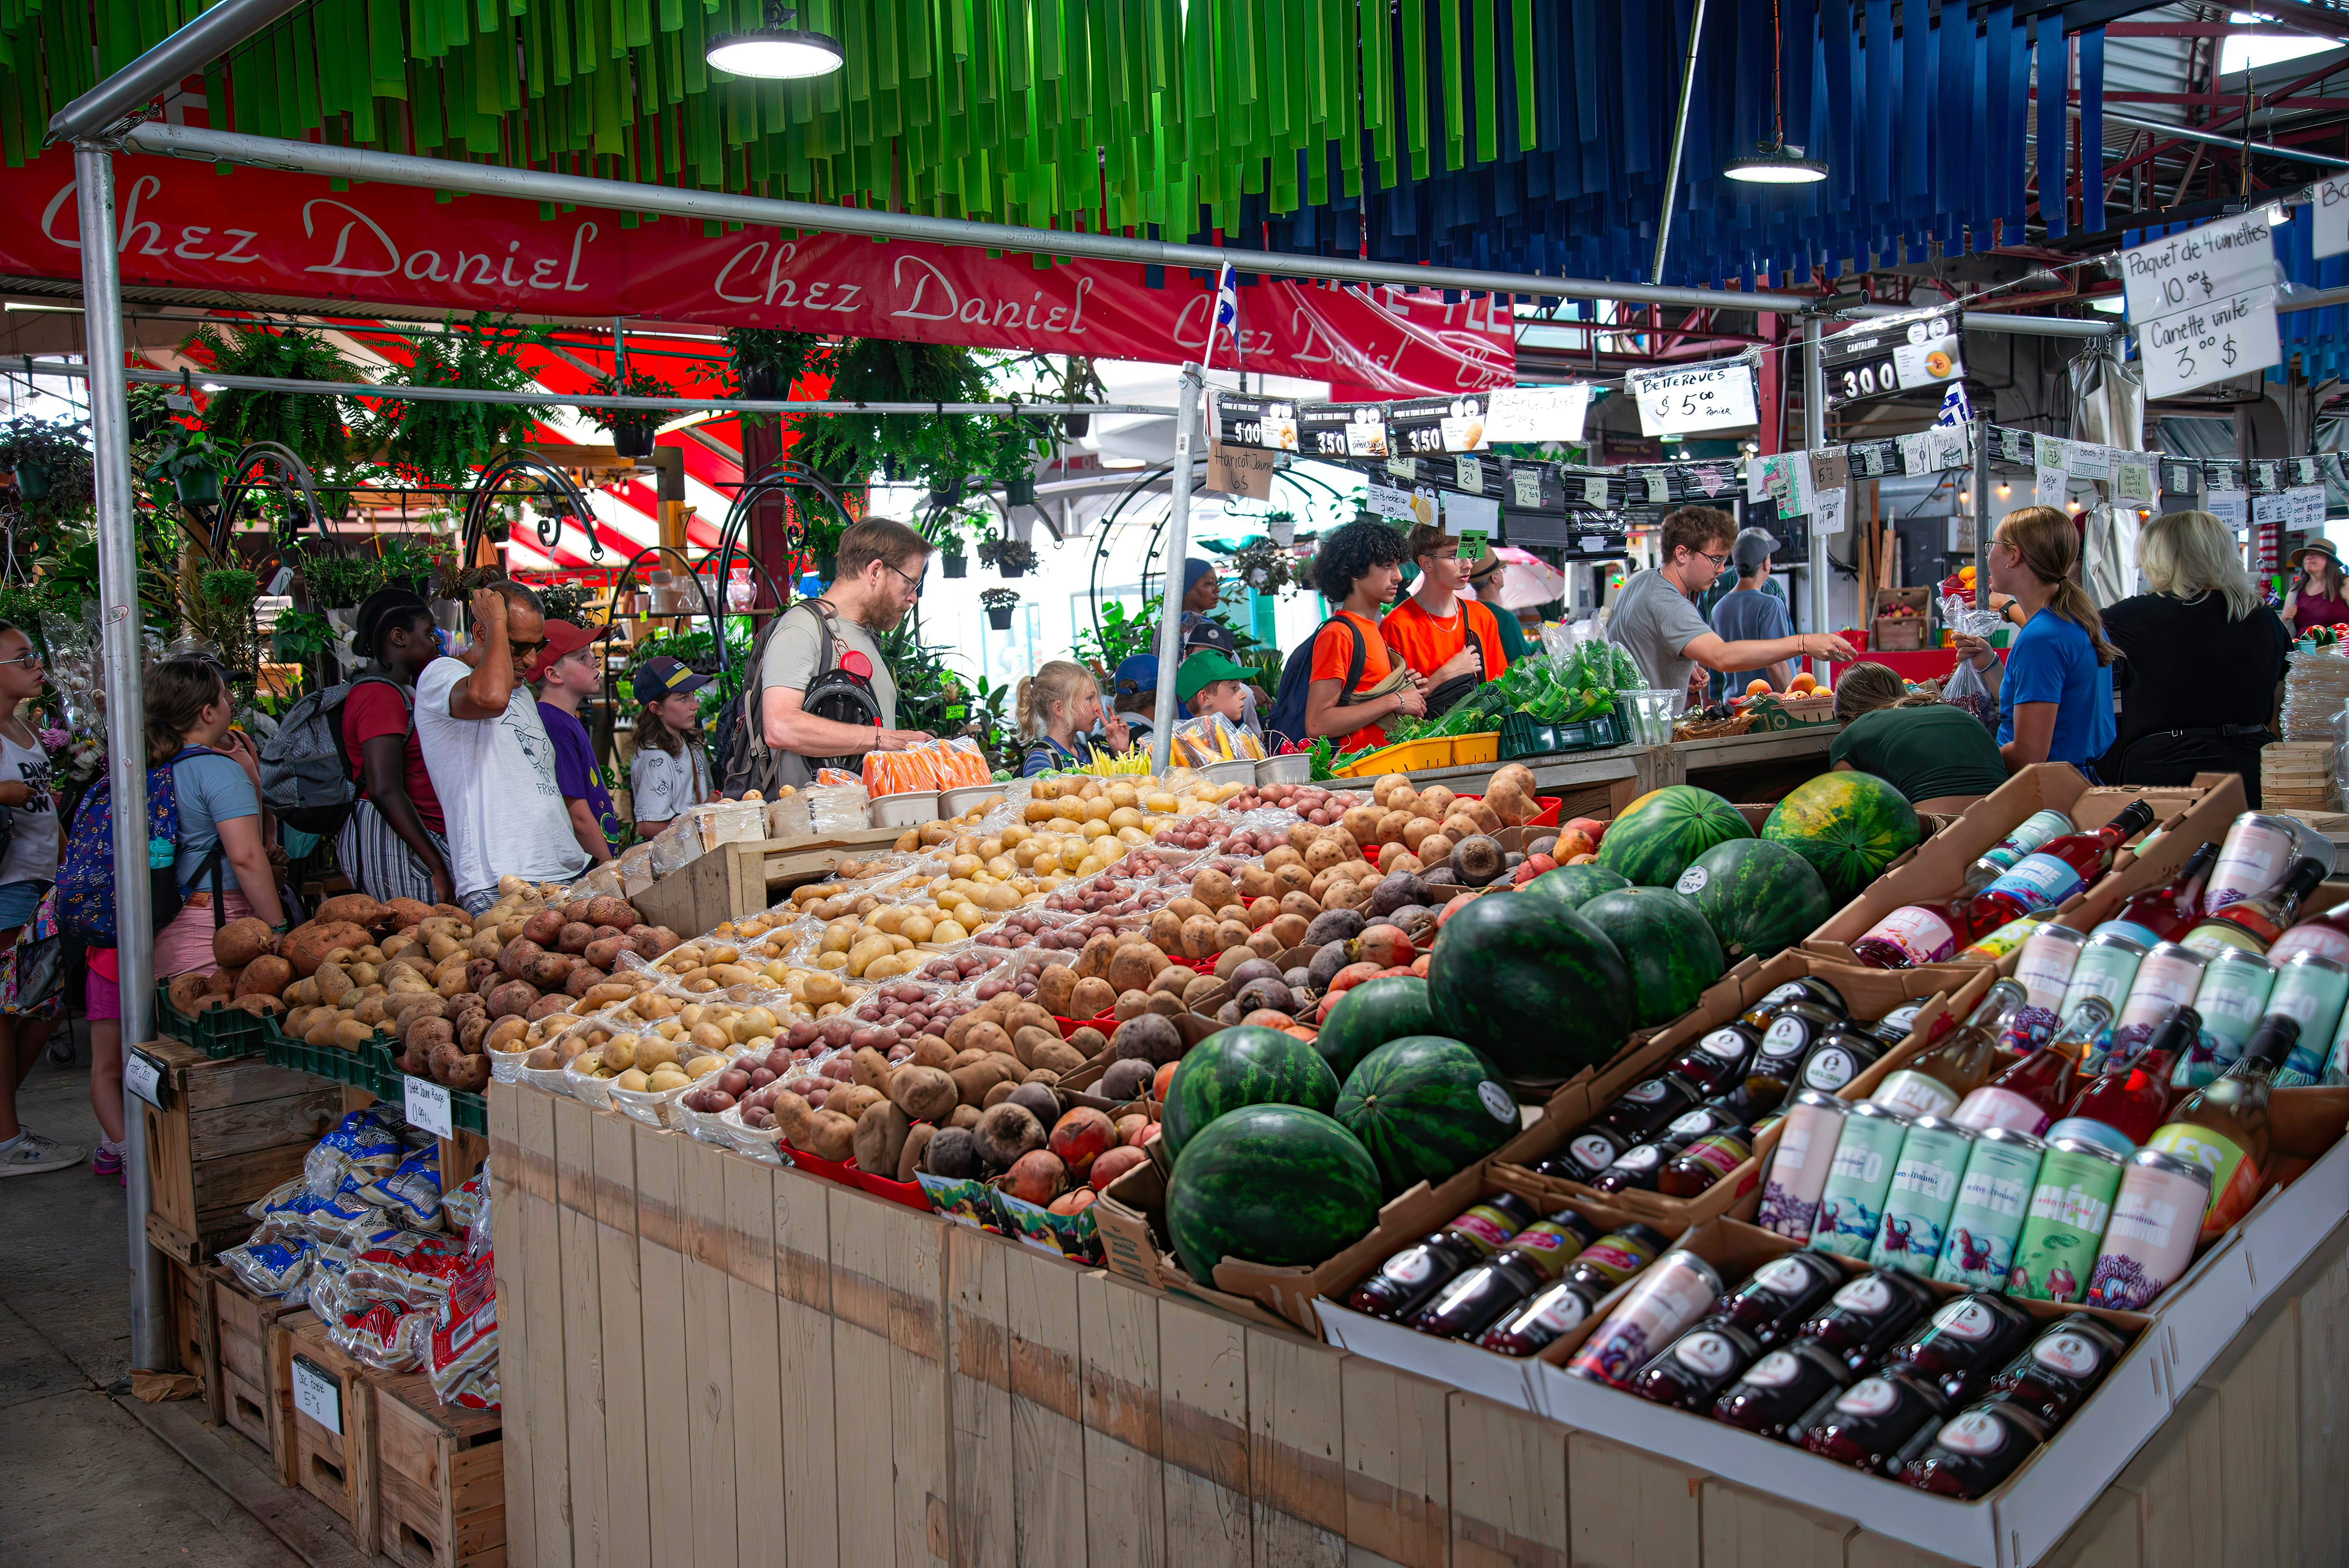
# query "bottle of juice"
(2057, 870)
(2223, 1126)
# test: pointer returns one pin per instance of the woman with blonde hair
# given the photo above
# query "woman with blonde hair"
(1938, 755)
(2055, 691)
(2201, 660)
(2319, 594)
(1058, 705)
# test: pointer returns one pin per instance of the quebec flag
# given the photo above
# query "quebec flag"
(1227, 314)
(1955, 407)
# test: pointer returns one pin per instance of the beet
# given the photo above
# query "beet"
(1397, 889)
(1254, 969)
(1333, 925)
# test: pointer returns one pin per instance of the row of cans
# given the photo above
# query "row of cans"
(2064, 1219)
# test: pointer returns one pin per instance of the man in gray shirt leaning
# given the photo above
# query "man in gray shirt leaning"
(1751, 611)
(1655, 619)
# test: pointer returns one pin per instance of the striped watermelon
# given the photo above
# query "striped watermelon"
(1758, 895)
(1369, 1016)
(1575, 886)
(1425, 1107)
(1237, 1066)
(1662, 831)
(1531, 984)
(1850, 826)
(1273, 1184)
(1670, 952)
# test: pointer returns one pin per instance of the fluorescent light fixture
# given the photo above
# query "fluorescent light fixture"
(212, 386)
(1782, 164)
(776, 52)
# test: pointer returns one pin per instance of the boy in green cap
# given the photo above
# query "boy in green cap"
(1209, 682)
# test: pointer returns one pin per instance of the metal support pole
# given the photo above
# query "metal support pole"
(1815, 435)
(1981, 433)
(1680, 139)
(1178, 546)
(119, 626)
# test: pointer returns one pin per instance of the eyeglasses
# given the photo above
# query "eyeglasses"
(24, 659)
(911, 580)
(1718, 561)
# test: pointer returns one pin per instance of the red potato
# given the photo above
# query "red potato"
(1590, 827)
(1165, 1076)
(1115, 1162)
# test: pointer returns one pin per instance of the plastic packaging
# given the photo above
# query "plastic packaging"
(838, 808)
(1211, 739)
(383, 1337)
(464, 1337)
(786, 815)
(410, 1193)
(415, 1269)
(1965, 687)
(468, 1205)
(362, 1141)
(272, 1267)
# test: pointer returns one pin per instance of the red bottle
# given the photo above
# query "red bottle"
(2326, 935)
(2055, 871)
(2128, 1101)
(2162, 914)
(2254, 924)
(2031, 1093)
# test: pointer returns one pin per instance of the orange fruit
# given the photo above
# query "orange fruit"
(1756, 688)
(1804, 682)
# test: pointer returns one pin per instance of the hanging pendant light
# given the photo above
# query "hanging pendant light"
(776, 52)
(1774, 162)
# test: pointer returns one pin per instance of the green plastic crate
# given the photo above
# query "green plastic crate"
(328, 1062)
(1522, 736)
(218, 1032)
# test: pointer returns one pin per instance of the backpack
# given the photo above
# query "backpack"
(84, 890)
(743, 761)
(305, 769)
(1286, 720)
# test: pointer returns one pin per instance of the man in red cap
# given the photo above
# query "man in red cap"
(567, 672)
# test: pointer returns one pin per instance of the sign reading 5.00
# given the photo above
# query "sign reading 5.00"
(1702, 398)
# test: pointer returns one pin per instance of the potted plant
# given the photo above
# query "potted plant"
(1009, 557)
(51, 465)
(1265, 565)
(1080, 384)
(308, 425)
(191, 466)
(945, 530)
(632, 429)
(849, 447)
(441, 443)
(1017, 445)
(762, 362)
(999, 603)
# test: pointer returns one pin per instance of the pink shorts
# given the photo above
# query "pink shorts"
(103, 998)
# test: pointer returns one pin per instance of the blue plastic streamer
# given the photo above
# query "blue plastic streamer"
(2091, 129)
(2054, 192)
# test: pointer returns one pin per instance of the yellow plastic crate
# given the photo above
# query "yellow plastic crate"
(1468, 750)
(1403, 759)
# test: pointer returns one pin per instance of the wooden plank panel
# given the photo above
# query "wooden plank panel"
(919, 1425)
(1745, 1530)
(257, 1124)
(545, 1407)
(765, 1529)
(802, 1220)
(583, 1360)
(2105, 1537)
(2180, 1517)
(2324, 1438)
(1048, 1444)
(509, 1204)
(1294, 1427)
(708, 1355)
(208, 1085)
(1203, 1395)
(980, 1390)
(1629, 1508)
(2258, 1414)
(1398, 1465)
(1509, 1487)
(661, 1253)
(860, 1344)
(628, 1501)
(1125, 1488)
(1866, 1549)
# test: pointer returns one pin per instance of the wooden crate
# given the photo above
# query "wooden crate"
(439, 1474)
(736, 879)
(190, 1300)
(234, 1130)
(337, 1467)
(244, 1394)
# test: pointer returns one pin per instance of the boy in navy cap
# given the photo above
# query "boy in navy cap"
(670, 772)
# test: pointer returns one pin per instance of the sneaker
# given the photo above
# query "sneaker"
(105, 1162)
(31, 1153)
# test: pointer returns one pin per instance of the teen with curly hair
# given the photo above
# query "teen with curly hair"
(1358, 568)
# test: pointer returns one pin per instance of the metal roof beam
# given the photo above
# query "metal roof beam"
(126, 94)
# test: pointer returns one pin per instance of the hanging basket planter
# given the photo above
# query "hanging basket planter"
(827, 567)
(946, 492)
(633, 438)
(1011, 569)
(761, 386)
(955, 565)
(1001, 619)
(197, 485)
(1076, 426)
(32, 481)
(1020, 490)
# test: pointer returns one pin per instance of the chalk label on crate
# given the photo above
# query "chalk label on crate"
(143, 1076)
(428, 1107)
(318, 1395)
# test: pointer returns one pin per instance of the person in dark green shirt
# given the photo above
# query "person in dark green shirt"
(1940, 757)
(1483, 579)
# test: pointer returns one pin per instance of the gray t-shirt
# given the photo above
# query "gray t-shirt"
(1748, 613)
(792, 653)
(1653, 621)
(209, 789)
(660, 786)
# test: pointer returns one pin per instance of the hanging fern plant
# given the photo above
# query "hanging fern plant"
(308, 424)
(762, 362)
(848, 446)
(441, 443)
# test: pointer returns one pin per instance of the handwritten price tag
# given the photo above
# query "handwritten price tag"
(143, 1076)
(1702, 398)
(318, 1395)
(2203, 304)
(428, 1107)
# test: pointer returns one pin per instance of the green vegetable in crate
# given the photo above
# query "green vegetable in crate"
(1757, 896)
(1850, 826)
(1425, 1107)
(1273, 1184)
(1538, 988)
(1670, 952)
(1237, 1066)
(1660, 832)
(1574, 886)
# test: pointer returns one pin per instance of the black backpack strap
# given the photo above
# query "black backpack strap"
(1361, 656)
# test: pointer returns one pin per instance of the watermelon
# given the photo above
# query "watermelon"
(1670, 952)
(1535, 986)
(1369, 1016)
(1758, 895)
(1245, 1065)
(1850, 826)
(1662, 831)
(1575, 886)
(1425, 1107)
(1273, 1184)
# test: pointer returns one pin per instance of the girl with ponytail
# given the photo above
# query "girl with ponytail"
(1057, 705)
(2055, 691)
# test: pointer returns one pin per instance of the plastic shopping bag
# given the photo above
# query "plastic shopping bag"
(1965, 687)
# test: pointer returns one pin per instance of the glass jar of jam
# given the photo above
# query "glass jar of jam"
(2060, 1369)
(1528, 1328)
(1868, 1315)
(1657, 1308)
(1645, 1108)
(1961, 1344)
(1693, 1369)
(1637, 1169)
(1705, 1161)
(1874, 1425)
(1838, 1056)
(1591, 1148)
(1781, 1293)
(1778, 1391)
(1793, 1030)
(1535, 1257)
(1399, 1285)
(1717, 1060)
(1616, 1257)
(1976, 1449)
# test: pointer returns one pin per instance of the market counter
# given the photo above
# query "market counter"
(1757, 767)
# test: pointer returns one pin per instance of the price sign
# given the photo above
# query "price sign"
(1702, 398)
(428, 1107)
(1893, 354)
(2328, 211)
(1468, 474)
(1425, 426)
(316, 1395)
(1341, 430)
(2203, 304)
(1537, 413)
(143, 1076)
(1536, 487)
(2231, 507)
(1268, 423)
(2306, 506)
(1471, 544)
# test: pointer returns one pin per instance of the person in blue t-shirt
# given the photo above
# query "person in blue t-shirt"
(2055, 691)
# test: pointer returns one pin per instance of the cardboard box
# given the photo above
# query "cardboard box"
(1890, 632)
(1936, 869)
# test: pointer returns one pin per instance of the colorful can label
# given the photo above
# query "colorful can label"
(1660, 1305)
(2233, 998)
(2312, 936)
(2038, 883)
(2004, 940)
(1799, 1166)
(2155, 1217)
(1993, 1197)
(2234, 1180)
(2107, 968)
(2257, 851)
(2089, 1130)
(1990, 1105)
(2044, 969)
(1915, 1094)
(1921, 934)
(2071, 1202)
(2169, 977)
(2213, 936)
(2035, 831)
(2311, 989)
(1924, 1189)
(1851, 1206)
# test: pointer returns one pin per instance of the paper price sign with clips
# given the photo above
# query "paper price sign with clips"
(2203, 304)
(1702, 398)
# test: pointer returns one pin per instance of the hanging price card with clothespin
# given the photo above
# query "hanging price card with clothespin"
(1714, 396)
(1537, 413)
(2202, 304)
(143, 1076)
(1473, 544)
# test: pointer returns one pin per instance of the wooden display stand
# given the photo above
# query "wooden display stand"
(713, 1361)
(245, 1396)
(232, 1132)
(190, 1298)
(440, 1476)
(337, 1468)
(747, 878)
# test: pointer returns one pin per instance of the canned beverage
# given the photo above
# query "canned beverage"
(2259, 848)
(2156, 1215)
(2004, 940)
(2312, 936)
(2044, 972)
(2233, 998)
(1924, 1189)
(2168, 977)
(1798, 1169)
(2311, 989)
(1993, 1197)
(1660, 1305)
(2107, 968)
(2071, 1202)
(1851, 1205)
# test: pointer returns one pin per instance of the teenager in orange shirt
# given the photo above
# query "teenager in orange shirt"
(1440, 635)
(1357, 567)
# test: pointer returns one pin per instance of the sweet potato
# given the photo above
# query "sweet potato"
(260, 1006)
(407, 914)
(187, 992)
(1053, 986)
(605, 952)
(882, 1130)
(222, 982)
(617, 912)
(548, 1005)
(355, 909)
(585, 978)
(549, 971)
(832, 1136)
(544, 928)
(239, 942)
(266, 975)
(307, 947)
